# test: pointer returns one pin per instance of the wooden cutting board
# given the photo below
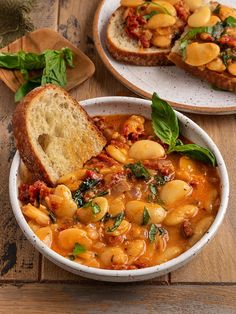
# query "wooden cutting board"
(37, 42)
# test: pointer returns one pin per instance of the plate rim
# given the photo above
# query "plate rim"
(139, 91)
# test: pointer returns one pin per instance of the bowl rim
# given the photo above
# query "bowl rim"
(106, 273)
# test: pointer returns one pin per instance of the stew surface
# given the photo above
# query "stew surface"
(130, 207)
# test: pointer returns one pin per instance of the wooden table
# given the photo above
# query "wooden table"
(32, 284)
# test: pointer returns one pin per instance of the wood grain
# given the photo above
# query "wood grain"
(20, 262)
(114, 298)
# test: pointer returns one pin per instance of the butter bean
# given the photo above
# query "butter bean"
(131, 3)
(200, 17)
(160, 20)
(201, 54)
(216, 65)
(178, 215)
(161, 41)
(174, 191)
(193, 4)
(146, 149)
(232, 68)
(162, 7)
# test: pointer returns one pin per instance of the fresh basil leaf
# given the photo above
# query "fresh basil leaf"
(55, 68)
(22, 60)
(217, 9)
(102, 193)
(161, 180)
(118, 221)
(96, 209)
(146, 216)
(68, 56)
(78, 249)
(153, 189)
(154, 230)
(138, 170)
(52, 217)
(197, 152)
(86, 185)
(230, 22)
(26, 88)
(164, 121)
(148, 16)
(227, 55)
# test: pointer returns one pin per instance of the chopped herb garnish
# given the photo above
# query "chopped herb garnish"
(148, 16)
(94, 206)
(138, 170)
(52, 217)
(117, 222)
(230, 22)
(154, 230)
(153, 189)
(217, 9)
(146, 216)
(106, 217)
(161, 180)
(86, 185)
(102, 193)
(78, 249)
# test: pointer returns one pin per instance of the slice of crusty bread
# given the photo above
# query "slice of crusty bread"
(125, 49)
(54, 134)
(223, 80)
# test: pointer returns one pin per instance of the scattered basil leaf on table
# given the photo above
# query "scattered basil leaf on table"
(118, 221)
(165, 126)
(52, 62)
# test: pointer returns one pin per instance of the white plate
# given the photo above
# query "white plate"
(186, 92)
(126, 105)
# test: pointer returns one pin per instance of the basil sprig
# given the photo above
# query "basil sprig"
(166, 127)
(164, 121)
(52, 64)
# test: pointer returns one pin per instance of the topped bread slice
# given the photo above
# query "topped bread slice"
(207, 48)
(54, 134)
(143, 32)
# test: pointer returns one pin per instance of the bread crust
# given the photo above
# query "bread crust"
(223, 80)
(22, 138)
(135, 57)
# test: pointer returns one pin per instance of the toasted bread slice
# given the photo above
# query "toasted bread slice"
(54, 134)
(223, 80)
(125, 49)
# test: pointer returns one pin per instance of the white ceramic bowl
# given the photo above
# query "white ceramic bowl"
(126, 105)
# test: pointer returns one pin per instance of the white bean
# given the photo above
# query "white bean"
(201, 228)
(174, 191)
(134, 211)
(45, 235)
(146, 149)
(68, 237)
(113, 256)
(178, 215)
(86, 214)
(168, 254)
(200, 17)
(36, 214)
(135, 249)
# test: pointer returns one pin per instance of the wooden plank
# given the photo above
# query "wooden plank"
(117, 298)
(18, 259)
(217, 261)
(45, 14)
